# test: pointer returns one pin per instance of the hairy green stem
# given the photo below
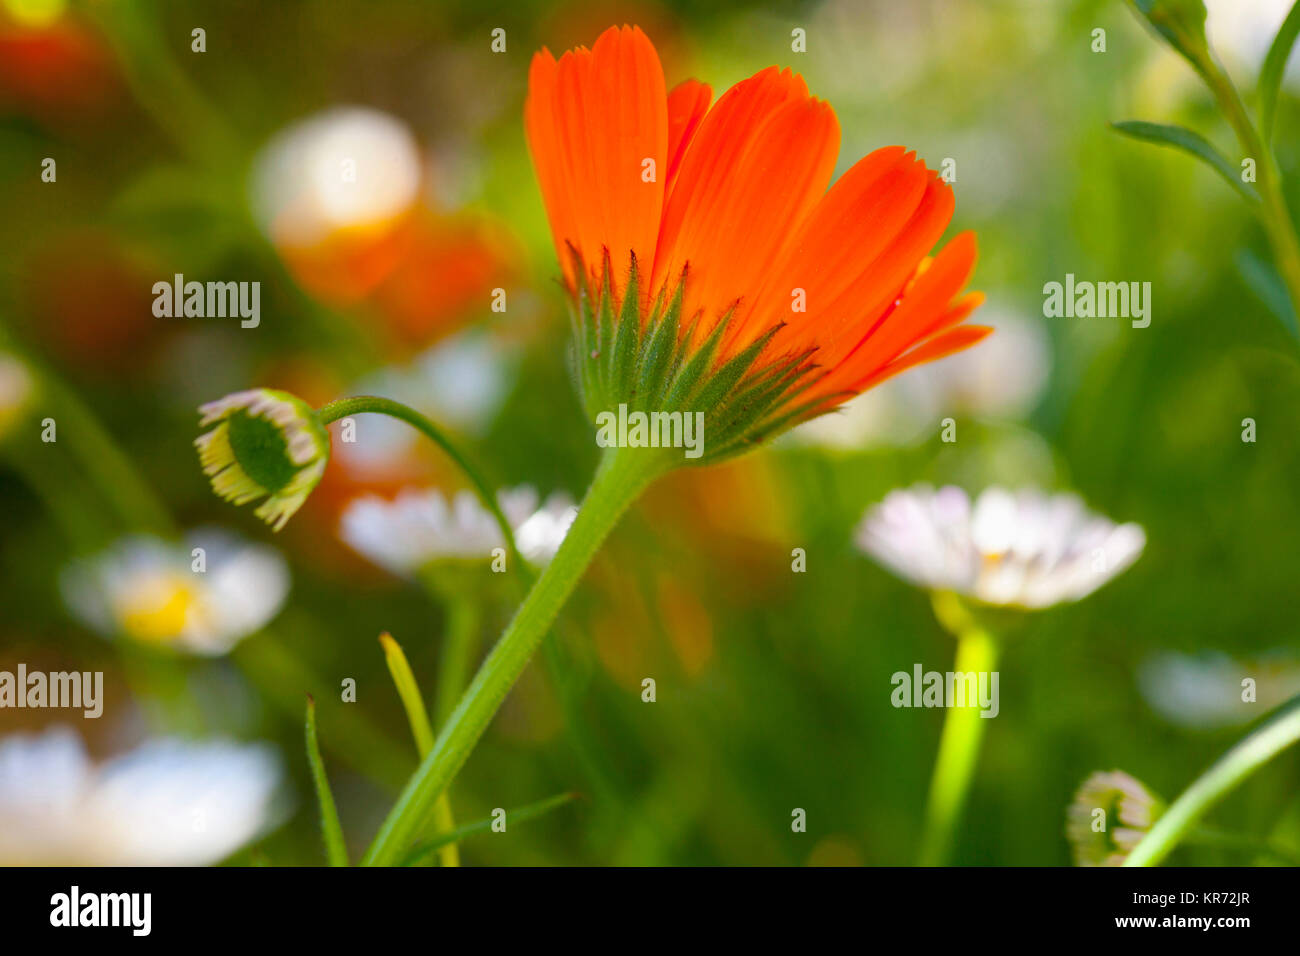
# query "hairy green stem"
(623, 474)
(1175, 824)
(963, 729)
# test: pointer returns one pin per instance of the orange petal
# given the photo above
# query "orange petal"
(922, 307)
(832, 258)
(760, 160)
(593, 120)
(955, 340)
(688, 101)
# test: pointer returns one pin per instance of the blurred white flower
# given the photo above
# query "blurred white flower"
(1025, 549)
(1204, 691)
(167, 803)
(343, 168)
(418, 528)
(153, 591)
(16, 390)
(1003, 379)
(1241, 31)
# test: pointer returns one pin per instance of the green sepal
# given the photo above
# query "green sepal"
(627, 337)
(660, 346)
(688, 377)
(656, 363)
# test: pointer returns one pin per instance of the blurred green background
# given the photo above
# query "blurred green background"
(773, 687)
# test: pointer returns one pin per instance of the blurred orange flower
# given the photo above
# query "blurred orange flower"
(342, 196)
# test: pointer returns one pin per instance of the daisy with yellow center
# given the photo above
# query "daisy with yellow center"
(201, 596)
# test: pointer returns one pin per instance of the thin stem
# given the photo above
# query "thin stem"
(331, 829)
(1277, 733)
(623, 474)
(373, 404)
(1273, 211)
(963, 728)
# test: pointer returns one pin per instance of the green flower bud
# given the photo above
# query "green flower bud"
(1110, 815)
(266, 444)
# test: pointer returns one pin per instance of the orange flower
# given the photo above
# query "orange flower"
(797, 297)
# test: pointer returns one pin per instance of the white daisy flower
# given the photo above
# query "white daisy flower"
(1241, 33)
(418, 528)
(1025, 549)
(348, 167)
(169, 802)
(1205, 692)
(159, 592)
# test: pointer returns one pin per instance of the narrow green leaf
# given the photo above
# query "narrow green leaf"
(1267, 285)
(409, 691)
(1270, 77)
(425, 850)
(1182, 138)
(335, 848)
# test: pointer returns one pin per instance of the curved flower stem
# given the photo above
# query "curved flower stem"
(1175, 824)
(373, 404)
(963, 728)
(623, 474)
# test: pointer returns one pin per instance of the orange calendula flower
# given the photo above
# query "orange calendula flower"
(711, 268)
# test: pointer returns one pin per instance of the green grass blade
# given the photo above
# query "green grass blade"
(524, 813)
(409, 692)
(336, 850)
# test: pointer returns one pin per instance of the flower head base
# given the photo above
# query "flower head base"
(712, 270)
(1025, 549)
(1110, 815)
(266, 444)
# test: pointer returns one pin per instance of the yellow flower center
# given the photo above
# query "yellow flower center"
(156, 607)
